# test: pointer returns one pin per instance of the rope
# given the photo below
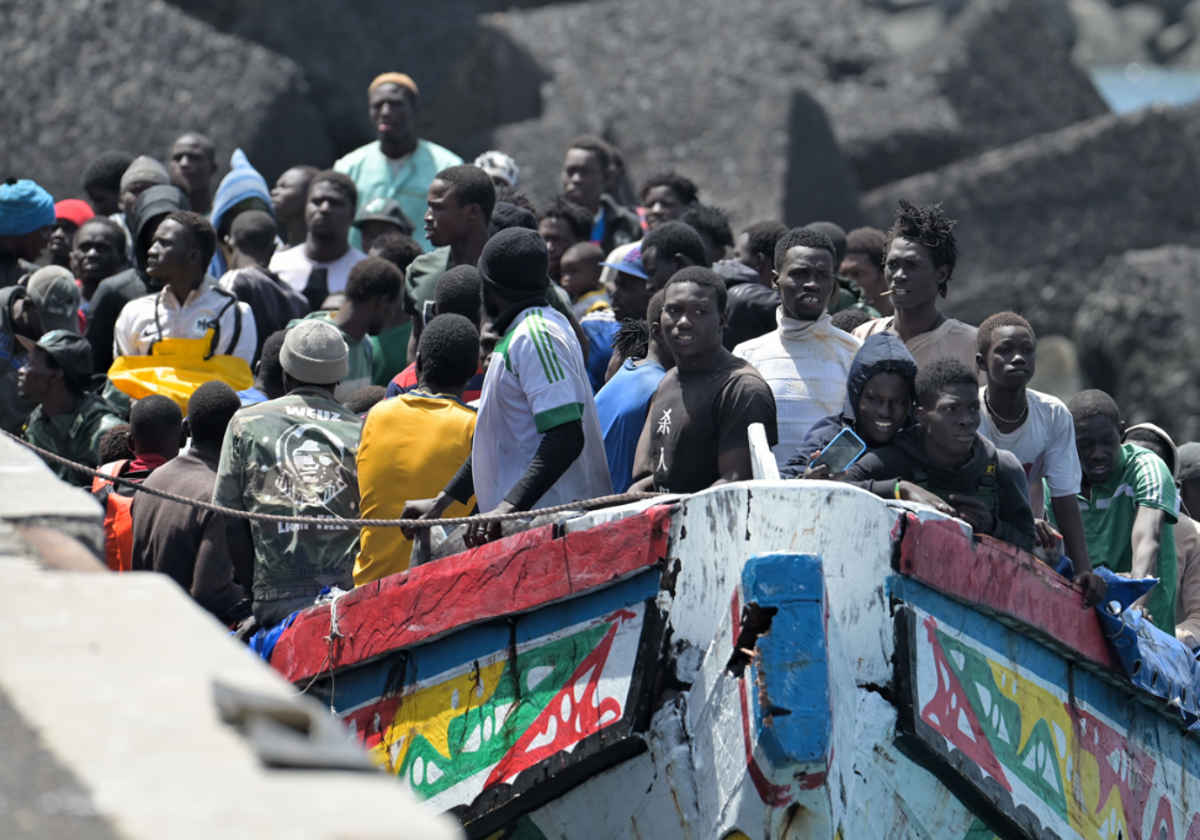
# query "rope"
(590, 504)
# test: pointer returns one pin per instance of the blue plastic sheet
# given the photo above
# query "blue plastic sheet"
(1155, 662)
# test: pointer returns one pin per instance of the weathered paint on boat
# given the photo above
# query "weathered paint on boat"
(770, 660)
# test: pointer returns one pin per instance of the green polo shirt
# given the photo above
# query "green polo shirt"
(1140, 479)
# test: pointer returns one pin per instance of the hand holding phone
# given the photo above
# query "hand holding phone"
(841, 452)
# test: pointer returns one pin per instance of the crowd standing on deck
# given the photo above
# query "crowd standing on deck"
(306, 350)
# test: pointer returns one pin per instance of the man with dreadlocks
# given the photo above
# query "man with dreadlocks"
(921, 253)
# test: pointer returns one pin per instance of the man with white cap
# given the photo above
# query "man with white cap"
(26, 217)
(502, 168)
(50, 301)
(295, 456)
(398, 164)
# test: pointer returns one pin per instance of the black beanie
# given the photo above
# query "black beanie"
(505, 216)
(514, 264)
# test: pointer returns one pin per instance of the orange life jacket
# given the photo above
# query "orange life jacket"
(118, 518)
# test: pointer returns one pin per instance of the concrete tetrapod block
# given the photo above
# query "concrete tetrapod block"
(115, 673)
(125, 75)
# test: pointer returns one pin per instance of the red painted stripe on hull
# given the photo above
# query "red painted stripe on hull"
(515, 575)
(1000, 579)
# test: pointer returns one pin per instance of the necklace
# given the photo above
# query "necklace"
(1020, 417)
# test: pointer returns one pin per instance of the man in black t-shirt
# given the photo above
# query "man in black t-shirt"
(696, 430)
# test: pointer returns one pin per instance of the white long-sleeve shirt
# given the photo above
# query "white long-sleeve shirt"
(157, 316)
(806, 364)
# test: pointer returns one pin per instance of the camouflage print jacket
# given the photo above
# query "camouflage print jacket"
(75, 436)
(294, 456)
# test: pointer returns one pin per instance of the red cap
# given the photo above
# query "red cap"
(73, 210)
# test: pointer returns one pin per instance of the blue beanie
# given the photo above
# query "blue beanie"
(24, 207)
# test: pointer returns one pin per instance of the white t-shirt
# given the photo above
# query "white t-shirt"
(294, 267)
(536, 381)
(1045, 446)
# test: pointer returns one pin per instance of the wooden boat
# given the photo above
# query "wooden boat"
(763, 660)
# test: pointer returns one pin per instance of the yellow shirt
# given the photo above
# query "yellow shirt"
(411, 446)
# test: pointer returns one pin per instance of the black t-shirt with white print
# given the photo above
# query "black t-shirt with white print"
(695, 417)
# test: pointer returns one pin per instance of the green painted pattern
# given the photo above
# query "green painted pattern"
(1000, 719)
(470, 751)
(979, 831)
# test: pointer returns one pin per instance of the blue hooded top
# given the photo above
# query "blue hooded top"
(242, 182)
(881, 353)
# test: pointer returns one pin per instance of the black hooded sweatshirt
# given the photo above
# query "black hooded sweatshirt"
(881, 353)
(902, 459)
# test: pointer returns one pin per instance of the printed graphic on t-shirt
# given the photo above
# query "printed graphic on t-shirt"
(310, 465)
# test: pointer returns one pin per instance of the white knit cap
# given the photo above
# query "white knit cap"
(315, 352)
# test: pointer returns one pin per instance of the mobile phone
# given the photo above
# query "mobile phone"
(842, 451)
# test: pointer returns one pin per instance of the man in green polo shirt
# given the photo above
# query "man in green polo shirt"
(1127, 499)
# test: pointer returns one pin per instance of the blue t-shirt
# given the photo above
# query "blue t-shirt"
(600, 332)
(622, 405)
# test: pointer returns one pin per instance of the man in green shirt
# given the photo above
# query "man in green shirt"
(398, 164)
(372, 295)
(69, 420)
(1127, 499)
(295, 456)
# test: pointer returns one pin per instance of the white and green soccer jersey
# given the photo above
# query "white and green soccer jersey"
(536, 381)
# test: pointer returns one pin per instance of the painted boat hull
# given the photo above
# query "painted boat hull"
(764, 660)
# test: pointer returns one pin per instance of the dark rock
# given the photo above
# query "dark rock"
(343, 46)
(126, 75)
(999, 74)
(1037, 217)
(1137, 334)
(700, 86)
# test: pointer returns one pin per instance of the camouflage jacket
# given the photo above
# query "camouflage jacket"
(75, 436)
(294, 456)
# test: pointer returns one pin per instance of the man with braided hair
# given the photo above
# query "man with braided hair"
(921, 253)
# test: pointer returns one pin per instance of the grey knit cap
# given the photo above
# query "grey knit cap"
(144, 169)
(315, 352)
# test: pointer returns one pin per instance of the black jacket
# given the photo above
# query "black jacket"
(621, 225)
(904, 458)
(751, 309)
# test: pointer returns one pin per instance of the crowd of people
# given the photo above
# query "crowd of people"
(306, 350)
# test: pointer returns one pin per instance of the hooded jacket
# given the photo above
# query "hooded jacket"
(881, 353)
(241, 184)
(904, 459)
(114, 292)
